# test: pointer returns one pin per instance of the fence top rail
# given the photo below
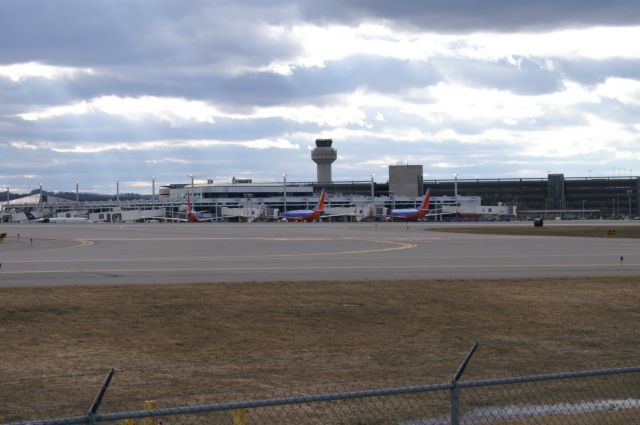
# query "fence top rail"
(336, 396)
(548, 377)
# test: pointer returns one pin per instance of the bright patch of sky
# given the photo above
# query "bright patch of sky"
(21, 71)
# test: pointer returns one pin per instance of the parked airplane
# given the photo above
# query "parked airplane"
(411, 214)
(64, 220)
(192, 215)
(306, 215)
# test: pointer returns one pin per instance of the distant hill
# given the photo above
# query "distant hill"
(83, 196)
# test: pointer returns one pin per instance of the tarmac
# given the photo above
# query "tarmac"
(43, 254)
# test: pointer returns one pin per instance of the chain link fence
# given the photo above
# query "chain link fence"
(603, 396)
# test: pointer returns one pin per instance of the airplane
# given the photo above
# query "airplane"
(411, 214)
(306, 215)
(192, 216)
(64, 220)
(59, 220)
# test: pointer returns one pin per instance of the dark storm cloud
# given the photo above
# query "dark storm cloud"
(474, 15)
(313, 85)
(100, 128)
(162, 33)
(317, 85)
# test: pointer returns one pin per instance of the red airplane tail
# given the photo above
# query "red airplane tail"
(192, 216)
(427, 199)
(320, 206)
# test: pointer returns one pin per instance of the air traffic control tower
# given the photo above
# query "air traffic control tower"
(324, 155)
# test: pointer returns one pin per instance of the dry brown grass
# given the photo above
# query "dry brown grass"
(195, 343)
(605, 231)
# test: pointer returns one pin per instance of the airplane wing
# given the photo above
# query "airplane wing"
(170, 219)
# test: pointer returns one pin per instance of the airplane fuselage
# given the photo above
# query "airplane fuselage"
(408, 214)
(412, 214)
(302, 215)
(65, 220)
(306, 215)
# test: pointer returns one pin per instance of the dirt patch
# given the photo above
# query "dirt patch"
(632, 232)
(186, 344)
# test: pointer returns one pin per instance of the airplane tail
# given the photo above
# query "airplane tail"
(320, 206)
(427, 199)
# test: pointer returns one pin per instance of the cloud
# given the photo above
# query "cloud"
(104, 33)
(92, 148)
(176, 111)
(171, 110)
(20, 71)
(466, 16)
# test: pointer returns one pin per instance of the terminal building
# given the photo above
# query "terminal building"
(553, 196)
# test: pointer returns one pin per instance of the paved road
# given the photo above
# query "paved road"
(104, 254)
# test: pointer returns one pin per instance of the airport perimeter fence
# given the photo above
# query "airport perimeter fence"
(602, 396)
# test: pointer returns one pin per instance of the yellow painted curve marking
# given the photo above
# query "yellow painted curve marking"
(398, 246)
(83, 243)
(323, 267)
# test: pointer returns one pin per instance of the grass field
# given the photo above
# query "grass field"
(184, 344)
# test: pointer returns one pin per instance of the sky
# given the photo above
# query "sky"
(105, 90)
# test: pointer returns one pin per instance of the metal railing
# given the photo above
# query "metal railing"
(601, 396)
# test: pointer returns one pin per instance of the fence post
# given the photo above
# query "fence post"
(455, 390)
(150, 405)
(91, 413)
(455, 405)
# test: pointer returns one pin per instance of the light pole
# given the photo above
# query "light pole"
(118, 191)
(284, 192)
(455, 187)
(455, 191)
(193, 175)
(153, 189)
(77, 192)
(546, 208)
(373, 187)
(373, 194)
(41, 198)
(613, 208)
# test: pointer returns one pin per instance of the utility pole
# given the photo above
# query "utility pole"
(284, 192)
(193, 175)
(455, 191)
(373, 195)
